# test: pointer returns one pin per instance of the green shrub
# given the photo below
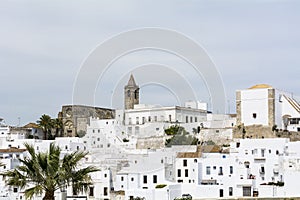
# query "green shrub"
(160, 186)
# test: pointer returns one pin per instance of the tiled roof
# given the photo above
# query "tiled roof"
(12, 150)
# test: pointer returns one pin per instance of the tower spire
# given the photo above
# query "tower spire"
(131, 93)
(131, 81)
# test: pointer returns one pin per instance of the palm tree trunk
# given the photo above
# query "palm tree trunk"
(49, 195)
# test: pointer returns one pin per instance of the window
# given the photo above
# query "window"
(247, 191)
(195, 161)
(155, 118)
(66, 147)
(149, 119)
(129, 130)
(122, 178)
(137, 130)
(294, 120)
(154, 178)
(98, 130)
(277, 152)
(221, 193)
(208, 170)
(221, 171)
(186, 173)
(98, 139)
(143, 120)
(74, 192)
(105, 175)
(184, 163)
(128, 93)
(15, 190)
(162, 118)
(231, 170)
(191, 119)
(129, 121)
(179, 172)
(247, 164)
(230, 191)
(105, 191)
(91, 194)
(136, 92)
(145, 179)
(262, 152)
(170, 118)
(93, 131)
(196, 120)
(186, 119)
(132, 179)
(254, 115)
(137, 120)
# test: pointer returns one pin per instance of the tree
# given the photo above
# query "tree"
(58, 125)
(180, 137)
(45, 172)
(173, 130)
(46, 123)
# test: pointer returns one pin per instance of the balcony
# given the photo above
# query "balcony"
(259, 157)
(209, 182)
(245, 182)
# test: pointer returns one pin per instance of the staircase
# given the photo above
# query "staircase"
(293, 103)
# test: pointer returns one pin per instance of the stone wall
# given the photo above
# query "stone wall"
(254, 131)
(150, 143)
(218, 136)
(271, 107)
(75, 118)
(238, 108)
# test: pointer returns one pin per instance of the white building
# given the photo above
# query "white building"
(264, 105)
(150, 120)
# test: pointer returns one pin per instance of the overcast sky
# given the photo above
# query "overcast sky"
(44, 43)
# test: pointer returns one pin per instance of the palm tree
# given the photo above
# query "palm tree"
(45, 172)
(58, 125)
(46, 123)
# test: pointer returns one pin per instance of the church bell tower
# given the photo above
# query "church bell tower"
(131, 94)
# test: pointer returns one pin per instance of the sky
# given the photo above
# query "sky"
(43, 45)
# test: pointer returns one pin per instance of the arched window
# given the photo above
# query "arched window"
(135, 94)
(128, 93)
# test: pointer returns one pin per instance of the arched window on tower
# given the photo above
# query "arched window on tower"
(135, 94)
(128, 93)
